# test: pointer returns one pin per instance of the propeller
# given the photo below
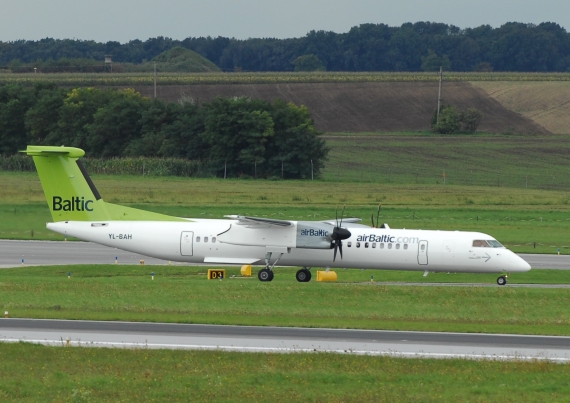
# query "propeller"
(377, 217)
(339, 234)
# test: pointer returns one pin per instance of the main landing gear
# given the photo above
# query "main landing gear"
(303, 275)
(502, 280)
(267, 273)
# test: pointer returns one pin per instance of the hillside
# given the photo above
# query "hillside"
(369, 106)
(546, 103)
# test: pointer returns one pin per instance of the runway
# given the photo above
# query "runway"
(285, 340)
(62, 253)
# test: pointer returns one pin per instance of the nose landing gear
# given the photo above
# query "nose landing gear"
(502, 280)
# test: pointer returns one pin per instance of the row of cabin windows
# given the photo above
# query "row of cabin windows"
(380, 245)
(206, 239)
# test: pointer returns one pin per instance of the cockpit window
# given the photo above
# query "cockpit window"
(495, 244)
(491, 243)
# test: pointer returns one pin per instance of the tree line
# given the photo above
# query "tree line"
(234, 137)
(368, 47)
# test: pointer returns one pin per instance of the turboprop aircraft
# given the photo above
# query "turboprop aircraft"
(78, 210)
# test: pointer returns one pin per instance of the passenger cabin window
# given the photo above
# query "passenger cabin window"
(205, 239)
(405, 246)
(366, 245)
(349, 244)
(389, 246)
(214, 239)
(397, 246)
(197, 239)
(358, 244)
(381, 246)
(374, 245)
(423, 247)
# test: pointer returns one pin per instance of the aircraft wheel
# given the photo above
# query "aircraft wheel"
(303, 276)
(502, 280)
(265, 275)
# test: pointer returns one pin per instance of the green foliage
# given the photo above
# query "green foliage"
(308, 63)
(452, 121)
(449, 121)
(470, 119)
(249, 137)
(432, 62)
(182, 60)
(367, 47)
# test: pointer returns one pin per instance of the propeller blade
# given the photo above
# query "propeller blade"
(335, 248)
(378, 215)
(340, 249)
(341, 216)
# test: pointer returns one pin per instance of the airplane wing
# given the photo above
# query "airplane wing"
(256, 222)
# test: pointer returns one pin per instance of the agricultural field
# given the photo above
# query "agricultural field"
(169, 78)
(362, 102)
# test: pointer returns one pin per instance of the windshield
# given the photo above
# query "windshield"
(490, 243)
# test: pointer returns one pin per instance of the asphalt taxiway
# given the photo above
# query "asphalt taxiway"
(285, 339)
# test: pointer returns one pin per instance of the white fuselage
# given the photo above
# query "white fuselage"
(225, 241)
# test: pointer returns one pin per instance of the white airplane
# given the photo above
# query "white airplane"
(78, 210)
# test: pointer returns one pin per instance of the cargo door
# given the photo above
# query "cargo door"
(187, 243)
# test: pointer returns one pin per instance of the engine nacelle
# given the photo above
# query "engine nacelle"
(313, 235)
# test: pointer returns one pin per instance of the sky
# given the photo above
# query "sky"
(125, 20)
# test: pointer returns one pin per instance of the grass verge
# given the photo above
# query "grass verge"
(61, 374)
(184, 295)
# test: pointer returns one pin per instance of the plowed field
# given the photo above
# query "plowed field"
(371, 106)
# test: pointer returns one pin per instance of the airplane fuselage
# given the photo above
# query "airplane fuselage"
(224, 241)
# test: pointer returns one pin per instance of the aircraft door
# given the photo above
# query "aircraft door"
(187, 243)
(423, 252)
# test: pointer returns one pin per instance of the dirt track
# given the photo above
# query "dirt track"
(367, 107)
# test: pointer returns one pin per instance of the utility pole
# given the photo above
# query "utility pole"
(439, 94)
(155, 81)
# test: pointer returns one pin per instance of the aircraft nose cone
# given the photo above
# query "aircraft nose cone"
(520, 264)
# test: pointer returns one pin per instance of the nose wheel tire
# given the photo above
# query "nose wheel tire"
(265, 275)
(303, 276)
(502, 280)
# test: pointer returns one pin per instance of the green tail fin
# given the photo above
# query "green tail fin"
(72, 195)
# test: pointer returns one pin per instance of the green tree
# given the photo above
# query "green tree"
(432, 62)
(42, 118)
(116, 124)
(449, 121)
(470, 119)
(236, 131)
(295, 144)
(75, 116)
(308, 63)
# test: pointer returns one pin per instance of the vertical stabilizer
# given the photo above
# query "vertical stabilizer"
(70, 192)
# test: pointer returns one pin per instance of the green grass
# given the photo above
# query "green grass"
(533, 162)
(32, 373)
(525, 220)
(183, 294)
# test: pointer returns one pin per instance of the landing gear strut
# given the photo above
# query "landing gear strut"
(303, 275)
(267, 273)
(502, 280)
